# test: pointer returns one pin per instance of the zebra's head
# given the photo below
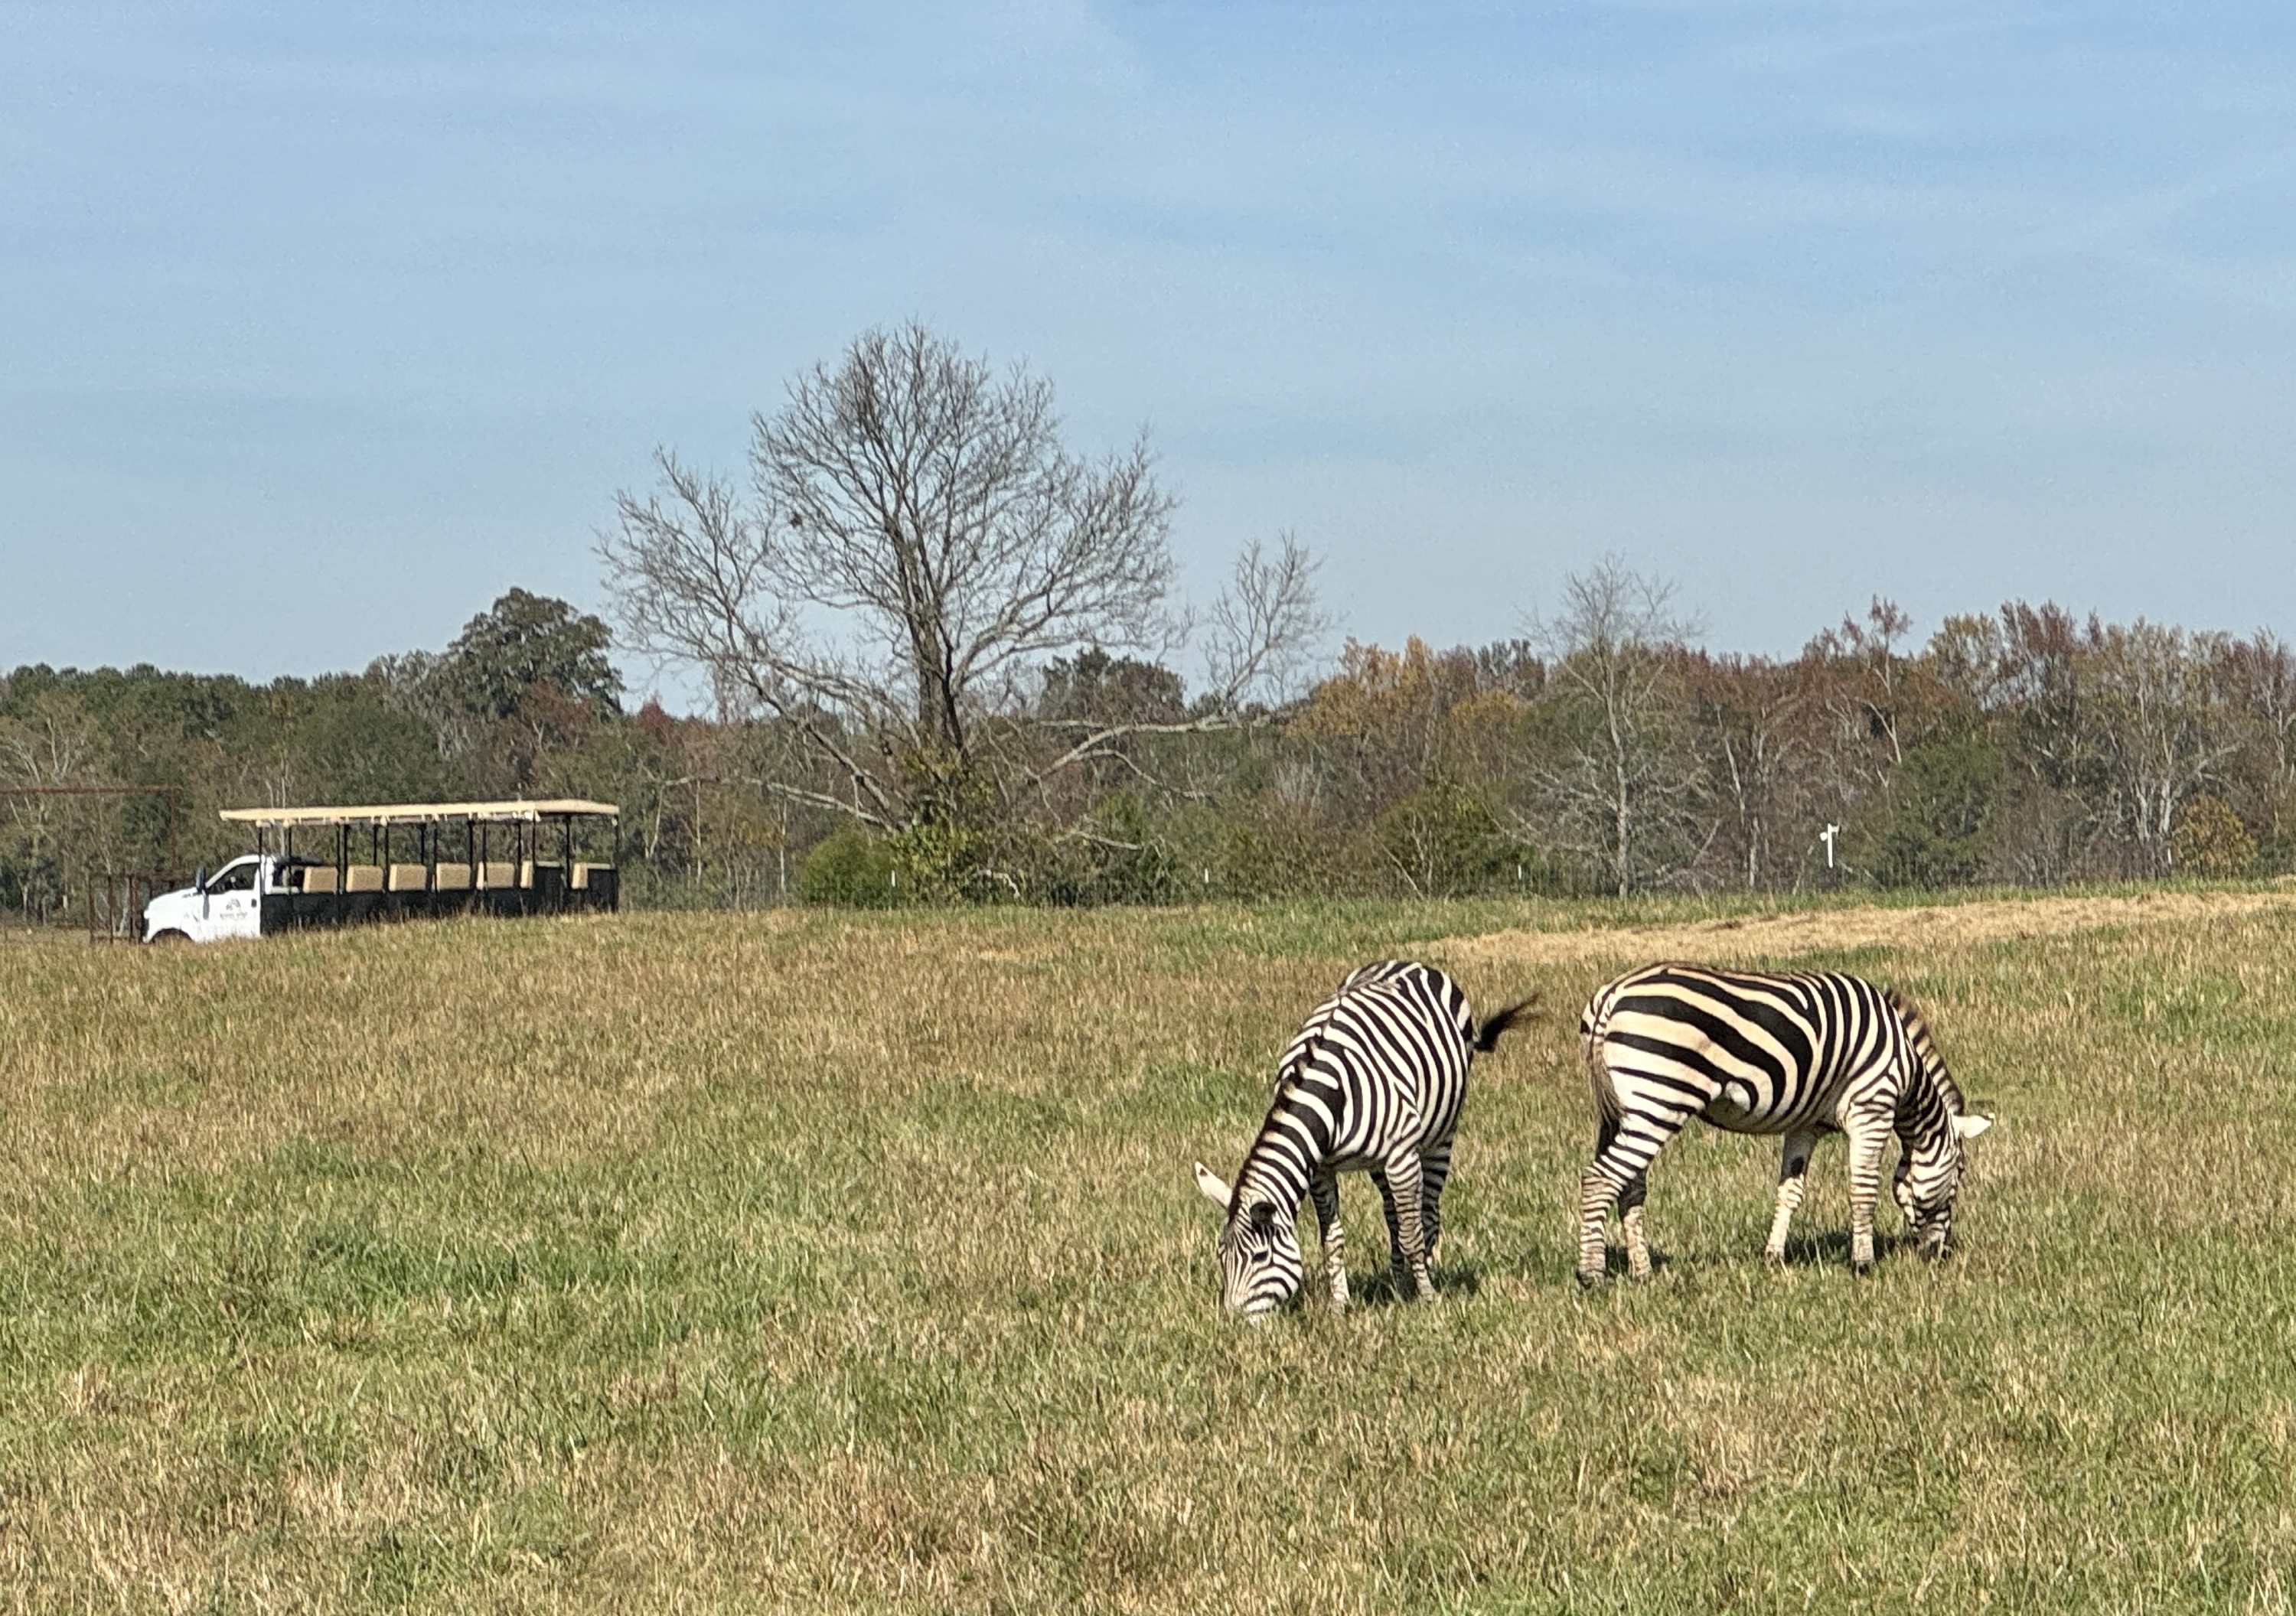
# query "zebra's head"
(1259, 1251)
(1928, 1177)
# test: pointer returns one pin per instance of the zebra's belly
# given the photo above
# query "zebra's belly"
(1739, 1108)
(1370, 1158)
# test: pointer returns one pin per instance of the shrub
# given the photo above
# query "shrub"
(1270, 849)
(2210, 841)
(1443, 841)
(1124, 858)
(852, 867)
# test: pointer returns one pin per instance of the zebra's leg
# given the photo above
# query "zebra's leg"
(1631, 1196)
(1399, 1267)
(1594, 1200)
(1867, 1138)
(1406, 1185)
(1620, 1160)
(1793, 1165)
(1434, 1171)
(1323, 1190)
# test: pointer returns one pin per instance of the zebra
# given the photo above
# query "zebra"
(1800, 1055)
(1373, 1082)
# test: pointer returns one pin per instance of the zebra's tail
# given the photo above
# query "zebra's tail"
(1487, 1036)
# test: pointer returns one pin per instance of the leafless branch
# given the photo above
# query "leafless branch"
(1267, 624)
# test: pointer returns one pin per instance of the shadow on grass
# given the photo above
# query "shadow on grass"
(1816, 1251)
(1614, 1262)
(1379, 1290)
(1832, 1248)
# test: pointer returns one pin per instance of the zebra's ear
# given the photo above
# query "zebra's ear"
(1970, 1127)
(1214, 1191)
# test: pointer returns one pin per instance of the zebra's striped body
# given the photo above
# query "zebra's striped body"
(1375, 1082)
(1797, 1055)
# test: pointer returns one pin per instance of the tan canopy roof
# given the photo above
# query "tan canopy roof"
(423, 813)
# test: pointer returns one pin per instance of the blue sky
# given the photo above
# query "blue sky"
(321, 326)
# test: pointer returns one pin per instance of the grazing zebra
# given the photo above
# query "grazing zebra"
(1798, 1055)
(1373, 1082)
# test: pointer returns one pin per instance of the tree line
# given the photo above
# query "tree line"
(947, 661)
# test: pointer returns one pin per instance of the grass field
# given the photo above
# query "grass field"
(813, 1260)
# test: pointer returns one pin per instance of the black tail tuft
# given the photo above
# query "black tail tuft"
(1487, 1036)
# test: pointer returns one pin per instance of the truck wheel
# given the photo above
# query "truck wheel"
(171, 936)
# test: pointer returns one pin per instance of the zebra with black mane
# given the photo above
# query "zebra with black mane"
(1800, 1055)
(1373, 1082)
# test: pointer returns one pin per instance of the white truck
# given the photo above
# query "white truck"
(228, 903)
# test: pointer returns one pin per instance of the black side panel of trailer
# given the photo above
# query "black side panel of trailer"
(549, 895)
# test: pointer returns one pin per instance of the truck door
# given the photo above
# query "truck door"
(232, 906)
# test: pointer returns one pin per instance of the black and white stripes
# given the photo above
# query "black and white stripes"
(1375, 1082)
(1797, 1055)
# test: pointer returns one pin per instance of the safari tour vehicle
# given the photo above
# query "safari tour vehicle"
(400, 861)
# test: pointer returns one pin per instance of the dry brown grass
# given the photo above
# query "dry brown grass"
(1925, 928)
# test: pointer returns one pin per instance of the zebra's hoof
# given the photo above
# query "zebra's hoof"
(1861, 1269)
(1586, 1281)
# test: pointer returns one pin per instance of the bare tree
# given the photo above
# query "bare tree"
(2163, 726)
(2113, 727)
(2259, 673)
(53, 744)
(1620, 791)
(1750, 718)
(2029, 670)
(919, 536)
(1872, 700)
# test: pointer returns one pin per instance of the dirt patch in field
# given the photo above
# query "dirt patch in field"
(1990, 920)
